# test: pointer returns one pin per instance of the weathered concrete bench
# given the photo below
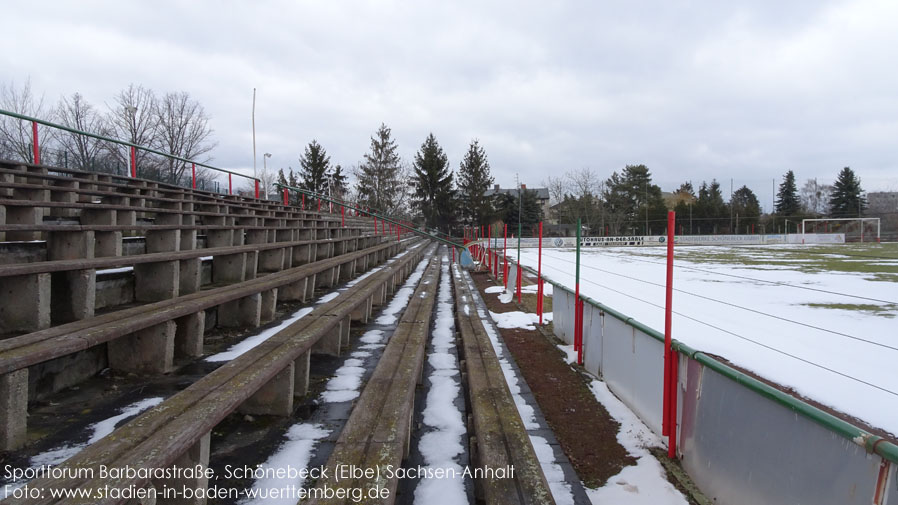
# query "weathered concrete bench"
(15, 175)
(378, 432)
(146, 338)
(264, 380)
(39, 294)
(499, 438)
(30, 192)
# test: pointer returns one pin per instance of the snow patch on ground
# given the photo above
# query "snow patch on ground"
(547, 289)
(644, 483)
(328, 297)
(402, 296)
(250, 342)
(494, 289)
(570, 353)
(98, 430)
(442, 444)
(107, 426)
(506, 297)
(517, 319)
(561, 490)
(345, 383)
(115, 270)
(295, 452)
(372, 337)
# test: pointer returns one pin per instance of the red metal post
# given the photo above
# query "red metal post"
(539, 277)
(505, 257)
(580, 332)
(257, 189)
(35, 143)
(285, 197)
(674, 378)
(133, 162)
(342, 217)
(193, 175)
(453, 254)
(489, 243)
(319, 205)
(303, 201)
(666, 407)
(230, 186)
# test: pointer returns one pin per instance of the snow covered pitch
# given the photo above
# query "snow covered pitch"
(818, 319)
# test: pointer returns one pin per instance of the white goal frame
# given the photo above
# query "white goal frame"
(861, 219)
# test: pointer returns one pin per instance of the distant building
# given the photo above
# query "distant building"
(542, 195)
(882, 201)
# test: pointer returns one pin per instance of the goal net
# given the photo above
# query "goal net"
(857, 228)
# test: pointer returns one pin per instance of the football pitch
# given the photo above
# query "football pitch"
(819, 319)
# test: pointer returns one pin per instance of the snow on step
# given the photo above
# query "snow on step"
(441, 446)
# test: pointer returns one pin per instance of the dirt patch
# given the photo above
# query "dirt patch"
(564, 397)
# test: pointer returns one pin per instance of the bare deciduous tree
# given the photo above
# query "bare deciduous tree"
(15, 134)
(132, 118)
(182, 130)
(75, 112)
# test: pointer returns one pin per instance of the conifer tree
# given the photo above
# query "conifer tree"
(847, 198)
(338, 182)
(787, 202)
(474, 180)
(295, 197)
(746, 208)
(433, 192)
(528, 210)
(379, 177)
(314, 165)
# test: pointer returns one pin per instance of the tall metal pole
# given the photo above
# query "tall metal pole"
(254, 134)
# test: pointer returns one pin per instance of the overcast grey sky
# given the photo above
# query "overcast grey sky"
(693, 89)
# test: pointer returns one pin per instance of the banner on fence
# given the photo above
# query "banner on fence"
(659, 240)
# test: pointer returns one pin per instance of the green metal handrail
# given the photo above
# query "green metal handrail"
(120, 142)
(870, 442)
